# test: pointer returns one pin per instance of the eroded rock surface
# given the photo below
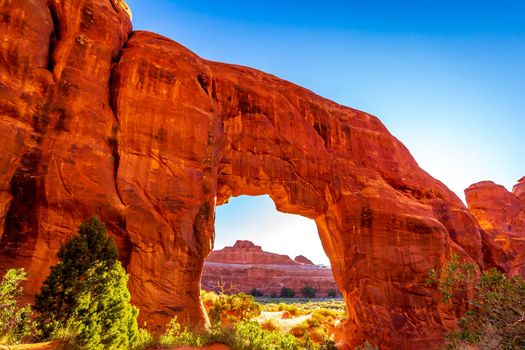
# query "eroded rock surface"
(139, 130)
(502, 215)
(245, 267)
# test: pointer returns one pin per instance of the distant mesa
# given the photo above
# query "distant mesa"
(245, 266)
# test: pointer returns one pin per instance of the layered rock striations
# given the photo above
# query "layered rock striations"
(245, 266)
(135, 128)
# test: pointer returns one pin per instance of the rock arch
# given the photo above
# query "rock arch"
(149, 136)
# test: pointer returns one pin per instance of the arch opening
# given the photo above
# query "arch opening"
(261, 250)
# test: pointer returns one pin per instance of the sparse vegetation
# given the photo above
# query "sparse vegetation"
(332, 293)
(308, 292)
(287, 292)
(15, 320)
(85, 304)
(233, 308)
(495, 304)
(256, 293)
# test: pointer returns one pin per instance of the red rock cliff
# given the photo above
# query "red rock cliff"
(246, 266)
(502, 215)
(133, 127)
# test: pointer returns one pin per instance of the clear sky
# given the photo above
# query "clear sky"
(446, 77)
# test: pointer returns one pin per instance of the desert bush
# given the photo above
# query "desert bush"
(175, 335)
(256, 293)
(249, 335)
(143, 340)
(15, 320)
(244, 335)
(287, 292)
(235, 307)
(270, 325)
(495, 304)
(332, 293)
(308, 292)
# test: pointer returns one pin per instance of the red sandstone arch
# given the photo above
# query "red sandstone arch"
(151, 137)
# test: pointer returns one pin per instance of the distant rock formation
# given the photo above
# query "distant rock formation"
(301, 259)
(502, 215)
(246, 266)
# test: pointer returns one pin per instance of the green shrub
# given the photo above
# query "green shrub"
(102, 316)
(308, 292)
(60, 289)
(495, 305)
(233, 307)
(244, 335)
(332, 293)
(143, 340)
(256, 293)
(176, 336)
(15, 321)
(287, 293)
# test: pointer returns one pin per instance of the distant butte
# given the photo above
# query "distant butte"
(246, 267)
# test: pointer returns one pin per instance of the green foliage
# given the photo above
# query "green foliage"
(143, 340)
(332, 293)
(287, 293)
(176, 336)
(249, 335)
(256, 293)
(15, 321)
(102, 316)
(245, 335)
(233, 307)
(455, 281)
(58, 294)
(495, 316)
(308, 292)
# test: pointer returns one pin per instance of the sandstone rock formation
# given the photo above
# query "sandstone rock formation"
(303, 260)
(246, 266)
(502, 215)
(133, 127)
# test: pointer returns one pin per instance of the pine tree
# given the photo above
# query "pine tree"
(102, 317)
(84, 250)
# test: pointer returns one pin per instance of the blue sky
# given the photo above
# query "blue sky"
(446, 77)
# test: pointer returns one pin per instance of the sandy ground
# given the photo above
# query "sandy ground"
(284, 324)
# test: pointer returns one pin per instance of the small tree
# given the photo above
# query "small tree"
(102, 316)
(84, 250)
(308, 292)
(332, 293)
(287, 293)
(495, 304)
(15, 321)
